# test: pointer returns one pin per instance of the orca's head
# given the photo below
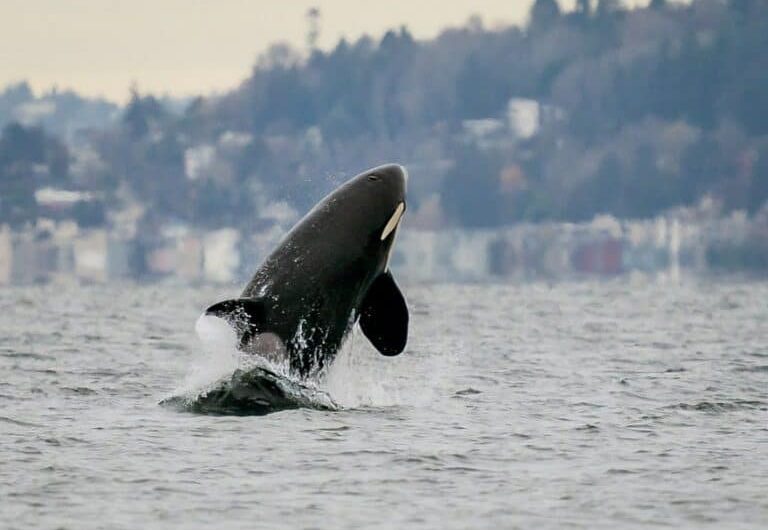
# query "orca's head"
(382, 192)
(372, 205)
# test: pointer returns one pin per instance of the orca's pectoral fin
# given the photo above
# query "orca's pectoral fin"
(384, 316)
(246, 315)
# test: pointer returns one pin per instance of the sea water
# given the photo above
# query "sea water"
(586, 405)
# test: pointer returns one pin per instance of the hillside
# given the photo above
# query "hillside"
(604, 110)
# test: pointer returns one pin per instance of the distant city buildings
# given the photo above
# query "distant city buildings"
(603, 248)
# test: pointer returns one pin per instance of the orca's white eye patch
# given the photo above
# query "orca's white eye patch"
(393, 221)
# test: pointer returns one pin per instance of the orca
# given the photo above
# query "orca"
(330, 272)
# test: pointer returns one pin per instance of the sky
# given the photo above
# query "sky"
(190, 47)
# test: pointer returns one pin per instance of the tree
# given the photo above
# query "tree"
(758, 193)
(584, 7)
(607, 7)
(481, 89)
(544, 13)
(471, 192)
(29, 159)
(141, 113)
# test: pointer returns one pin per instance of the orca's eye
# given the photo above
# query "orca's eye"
(373, 177)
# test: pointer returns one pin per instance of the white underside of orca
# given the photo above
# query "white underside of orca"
(393, 221)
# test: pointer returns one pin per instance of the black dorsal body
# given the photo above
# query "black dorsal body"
(330, 271)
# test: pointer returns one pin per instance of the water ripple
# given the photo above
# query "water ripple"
(537, 405)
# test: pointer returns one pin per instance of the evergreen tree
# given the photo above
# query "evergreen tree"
(544, 13)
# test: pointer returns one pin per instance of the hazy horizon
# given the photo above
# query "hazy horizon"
(100, 49)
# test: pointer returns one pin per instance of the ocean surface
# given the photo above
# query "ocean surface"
(572, 405)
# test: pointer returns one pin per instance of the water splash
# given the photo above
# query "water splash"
(219, 356)
(361, 377)
(225, 380)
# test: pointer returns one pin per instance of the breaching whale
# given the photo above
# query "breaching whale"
(329, 272)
